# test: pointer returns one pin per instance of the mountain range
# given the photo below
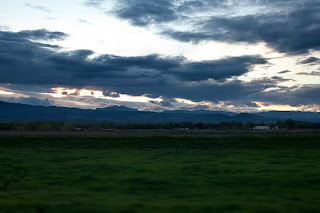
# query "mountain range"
(23, 112)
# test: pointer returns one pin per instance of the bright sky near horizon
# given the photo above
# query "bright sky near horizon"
(158, 55)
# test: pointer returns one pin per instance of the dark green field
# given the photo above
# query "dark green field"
(237, 173)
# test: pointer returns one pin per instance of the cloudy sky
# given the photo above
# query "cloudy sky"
(248, 55)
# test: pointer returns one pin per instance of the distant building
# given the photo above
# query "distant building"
(261, 128)
(78, 129)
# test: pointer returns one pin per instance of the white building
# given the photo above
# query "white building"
(261, 128)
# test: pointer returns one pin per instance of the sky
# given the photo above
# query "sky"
(155, 55)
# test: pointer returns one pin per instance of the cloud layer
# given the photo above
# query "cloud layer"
(24, 62)
(29, 63)
(287, 26)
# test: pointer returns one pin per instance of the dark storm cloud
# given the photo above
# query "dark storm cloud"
(288, 26)
(26, 35)
(220, 69)
(154, 66)
(24, 61)
(81, 53)
(145, 12)
(284, 72)
(74, 68)
(233, 90)
(193, 5)
(31, 64)
(296, 32)
(306, 95)
(310, 60)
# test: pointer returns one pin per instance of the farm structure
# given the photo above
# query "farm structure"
(261, 128)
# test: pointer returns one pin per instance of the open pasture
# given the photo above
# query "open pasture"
(207, 173)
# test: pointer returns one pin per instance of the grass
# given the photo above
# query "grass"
(239, 173)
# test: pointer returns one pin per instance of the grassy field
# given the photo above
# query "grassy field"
(237, 173)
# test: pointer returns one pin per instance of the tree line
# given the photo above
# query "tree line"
(70, 126)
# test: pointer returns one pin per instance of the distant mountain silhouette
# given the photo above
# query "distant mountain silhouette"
(200, 112)
(23, 112)
(246, 117)
(299, 116)
(118, 108)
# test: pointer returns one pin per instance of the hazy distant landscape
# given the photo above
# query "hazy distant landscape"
(23, 112)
